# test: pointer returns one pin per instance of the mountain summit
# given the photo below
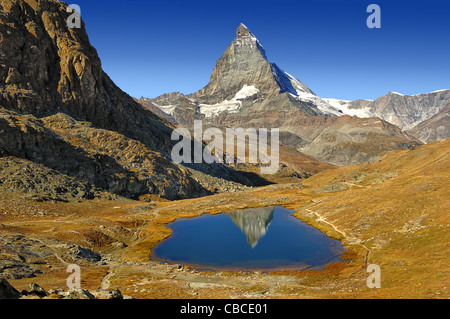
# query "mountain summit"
(243, 32)
(244, 69)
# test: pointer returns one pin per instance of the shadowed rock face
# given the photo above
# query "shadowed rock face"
(47, 68)
(58, 108)
(254, 222)
(437, 128)
(7, 291)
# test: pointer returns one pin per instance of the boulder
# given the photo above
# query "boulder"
(7, 291)
(35, 289)
(79, 294)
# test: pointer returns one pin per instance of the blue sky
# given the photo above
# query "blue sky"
(153, 47)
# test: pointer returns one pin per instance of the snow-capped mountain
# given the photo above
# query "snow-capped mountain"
(246, 90)
(244, 64)
(244, 73)
(243, 78)
(405, 111)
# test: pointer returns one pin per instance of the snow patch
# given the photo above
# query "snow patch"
(343, 108)
(212, 110)
(232, 106)
(332, 106)
(168, 109)
(299, 87)
(245, 92)
(324, 106)
(440, 91)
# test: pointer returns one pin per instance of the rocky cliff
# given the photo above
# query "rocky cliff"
(47, 67)
(341, 141)
(61, 113)
(437, 128)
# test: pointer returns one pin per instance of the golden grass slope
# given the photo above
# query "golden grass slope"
(398, 210)
(393, 213)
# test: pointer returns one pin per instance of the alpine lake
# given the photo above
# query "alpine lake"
(265, 239)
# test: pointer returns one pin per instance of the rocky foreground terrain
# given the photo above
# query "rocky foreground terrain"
(404, 231)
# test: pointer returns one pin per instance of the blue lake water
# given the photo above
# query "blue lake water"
(265, 238)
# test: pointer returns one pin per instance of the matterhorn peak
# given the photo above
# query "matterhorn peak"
(248, 41)
(243, 31)
(244, 64)
(243, 35)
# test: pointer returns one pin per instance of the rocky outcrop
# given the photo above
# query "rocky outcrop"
(36, 290)
(348, 140)
(165, 99)
(86, 160)
(52, 84)
(79, 294)
(61, 111)
(155, 108)
(437, 128)
(39, 183)
(7, 291)
(47, 67)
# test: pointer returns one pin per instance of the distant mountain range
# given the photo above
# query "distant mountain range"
(246, 90)
(404, 111)
(244, 81)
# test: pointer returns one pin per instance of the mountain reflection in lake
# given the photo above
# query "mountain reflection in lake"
(254, 222)
(251, 239)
